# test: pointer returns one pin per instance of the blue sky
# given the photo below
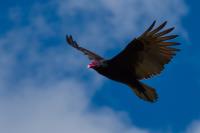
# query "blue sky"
(46, 87)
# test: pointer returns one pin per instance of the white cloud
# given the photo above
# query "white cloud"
(60, 107)
(117, 20)
(194, 127)
(44, 84)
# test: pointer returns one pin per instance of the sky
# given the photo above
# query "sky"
(46, 87)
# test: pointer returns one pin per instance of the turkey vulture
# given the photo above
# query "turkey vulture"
(142, 58)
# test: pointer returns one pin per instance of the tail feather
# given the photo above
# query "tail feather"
(143, 91)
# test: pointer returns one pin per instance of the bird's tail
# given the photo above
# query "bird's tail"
(143, 91)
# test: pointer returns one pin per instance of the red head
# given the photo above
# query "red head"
(94, 63)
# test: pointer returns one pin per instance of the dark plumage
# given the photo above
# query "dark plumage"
(142, 58)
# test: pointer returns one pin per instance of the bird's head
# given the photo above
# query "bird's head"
(96, 64)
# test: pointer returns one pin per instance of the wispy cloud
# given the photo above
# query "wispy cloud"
(194, 127)
(43, 85)
(61, 107)
(106, 20)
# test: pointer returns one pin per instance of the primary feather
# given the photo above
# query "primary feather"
(91, 55)
(146, 55)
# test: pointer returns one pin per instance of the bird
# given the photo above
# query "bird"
(142, 58)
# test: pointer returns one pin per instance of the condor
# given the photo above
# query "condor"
(144, 57)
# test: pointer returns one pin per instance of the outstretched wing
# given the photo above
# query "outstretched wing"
(91, 55)
(146, 55)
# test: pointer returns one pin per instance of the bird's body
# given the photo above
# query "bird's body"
(142, 58)
(119, 73)
(123, 74)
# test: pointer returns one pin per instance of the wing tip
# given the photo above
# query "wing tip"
(165, 22)
(68, 36)
(154, 22)
(171, 29)
(175, 36)
(69, 39)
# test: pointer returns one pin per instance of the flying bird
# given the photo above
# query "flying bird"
(143, 58)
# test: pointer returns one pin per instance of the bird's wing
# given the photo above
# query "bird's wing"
(89, 54)
(146, 55)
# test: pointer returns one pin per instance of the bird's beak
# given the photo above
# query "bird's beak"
(91, 65)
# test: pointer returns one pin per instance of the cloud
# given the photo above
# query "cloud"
(35, 94)
(44, 87)
(60, 107)
(194, 127)
(116, 20)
